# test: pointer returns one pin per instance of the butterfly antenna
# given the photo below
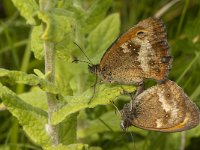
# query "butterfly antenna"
(77, 60)
(90, 62)
(83, 52)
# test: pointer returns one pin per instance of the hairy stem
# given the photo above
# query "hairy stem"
(49, 52)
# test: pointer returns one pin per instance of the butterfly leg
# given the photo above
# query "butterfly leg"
(140, 89)
(161, 81)
(117, 110)
(94, 90)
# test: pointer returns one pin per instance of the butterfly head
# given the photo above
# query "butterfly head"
(125, 124)
(126, 115)
(94, 69)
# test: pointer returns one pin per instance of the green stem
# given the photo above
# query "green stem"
(49, 52)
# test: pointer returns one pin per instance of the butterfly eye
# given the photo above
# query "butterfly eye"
(140, 33)
(166, 59)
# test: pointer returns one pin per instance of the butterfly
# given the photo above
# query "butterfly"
(141, 53)
(164, 107)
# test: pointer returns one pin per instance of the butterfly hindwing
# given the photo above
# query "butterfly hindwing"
(163, 107)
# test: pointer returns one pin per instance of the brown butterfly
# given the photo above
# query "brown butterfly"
(164, 107)
(142, 52)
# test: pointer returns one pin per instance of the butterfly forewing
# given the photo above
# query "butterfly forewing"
(142, 52)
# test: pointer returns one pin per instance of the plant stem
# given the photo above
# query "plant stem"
(52, 104)
(165, 8)
(49, 52)
(182, 145)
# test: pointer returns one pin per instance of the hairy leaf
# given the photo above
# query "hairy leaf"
(95, 14)
(30, 79)
(68, 147)
(31, 118)
(36, 97)
(37, 45)
(76, 103)
(57, 25)
(109, 121)
(27, 9)
(102, 36)
(67, 129)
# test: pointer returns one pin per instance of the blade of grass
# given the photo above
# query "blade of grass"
(17, 44)
(182, 17)
(24, 66)
(10, 39)
(188, 67)
(196, 93)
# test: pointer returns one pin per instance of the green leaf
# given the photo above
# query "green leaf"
(195, 132)
(109, 121)
(76, 103)
(37, 44)
(27, 9)
(65, 48)
(31, 118)
(58, 23)
(36, 97)
(68, 147)
(30, 79)
(39, 73)
(156, 139)
(95, 148)
(95, 14)
(102, 36)
(18, 77)
(67, 130)
(192, 28)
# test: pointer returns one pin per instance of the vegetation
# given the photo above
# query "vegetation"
(44, 96)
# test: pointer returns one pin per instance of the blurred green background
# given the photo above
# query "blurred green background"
(182, 19)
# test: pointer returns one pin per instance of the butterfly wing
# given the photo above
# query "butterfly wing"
(142, 52)
(165, 108)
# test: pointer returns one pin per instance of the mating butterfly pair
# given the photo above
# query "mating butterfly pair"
(143, 53)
